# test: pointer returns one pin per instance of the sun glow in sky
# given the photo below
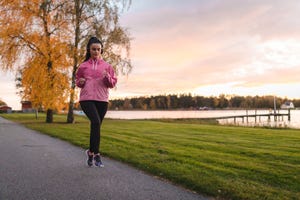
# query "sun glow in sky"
(207, 47)
(214, 47)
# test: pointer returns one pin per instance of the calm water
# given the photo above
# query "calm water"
(294, 123)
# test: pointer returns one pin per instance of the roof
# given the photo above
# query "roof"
(5, 107)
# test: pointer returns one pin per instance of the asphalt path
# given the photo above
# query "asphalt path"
(36, 166)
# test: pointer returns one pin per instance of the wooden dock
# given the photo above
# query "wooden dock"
(276, 116)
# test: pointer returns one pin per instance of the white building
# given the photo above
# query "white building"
(287, 105)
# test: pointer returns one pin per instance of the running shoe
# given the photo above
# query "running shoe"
(98, 161)
(90, 158)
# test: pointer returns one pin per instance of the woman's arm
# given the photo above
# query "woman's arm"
(80, 80)
(110, 79)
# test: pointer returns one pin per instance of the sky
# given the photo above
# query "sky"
(207, 48)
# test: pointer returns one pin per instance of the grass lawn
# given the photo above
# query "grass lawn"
(222, 161)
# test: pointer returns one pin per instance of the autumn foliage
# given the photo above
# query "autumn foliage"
(33, 42)
(44, 41)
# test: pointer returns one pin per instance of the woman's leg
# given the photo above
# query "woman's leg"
(101, 110)
(90, 109)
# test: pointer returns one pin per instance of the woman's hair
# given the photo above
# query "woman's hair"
(92, 40)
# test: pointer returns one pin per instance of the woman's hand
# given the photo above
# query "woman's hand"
(105, 74)
(82, 81)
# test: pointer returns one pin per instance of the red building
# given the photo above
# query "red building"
(5, 109)
(27, 106)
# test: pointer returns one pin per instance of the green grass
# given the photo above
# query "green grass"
(222, 161)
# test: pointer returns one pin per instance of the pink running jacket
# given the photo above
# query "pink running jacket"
(97, 84)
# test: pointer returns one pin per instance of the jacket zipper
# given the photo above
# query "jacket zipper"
(94, 64)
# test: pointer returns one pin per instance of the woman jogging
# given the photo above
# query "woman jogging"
(94, 76)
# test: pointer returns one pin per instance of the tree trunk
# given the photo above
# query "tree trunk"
(49, 117)
(78, 13)
(70, 117)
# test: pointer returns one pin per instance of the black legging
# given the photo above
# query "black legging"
(95, 111)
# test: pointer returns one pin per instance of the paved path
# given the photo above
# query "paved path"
(36, 166)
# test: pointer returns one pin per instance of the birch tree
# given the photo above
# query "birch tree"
(101, 19)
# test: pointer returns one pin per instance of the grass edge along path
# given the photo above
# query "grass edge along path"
(221, 161)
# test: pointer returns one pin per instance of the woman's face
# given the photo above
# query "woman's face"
(95, 50)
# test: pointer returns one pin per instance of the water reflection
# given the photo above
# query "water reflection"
(267, 123)
(262, 121)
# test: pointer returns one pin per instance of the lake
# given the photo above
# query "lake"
(294, 123)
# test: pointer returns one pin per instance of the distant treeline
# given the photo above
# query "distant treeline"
(188, 101)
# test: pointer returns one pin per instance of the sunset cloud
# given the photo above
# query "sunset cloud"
(210, 47)
(245, 44)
